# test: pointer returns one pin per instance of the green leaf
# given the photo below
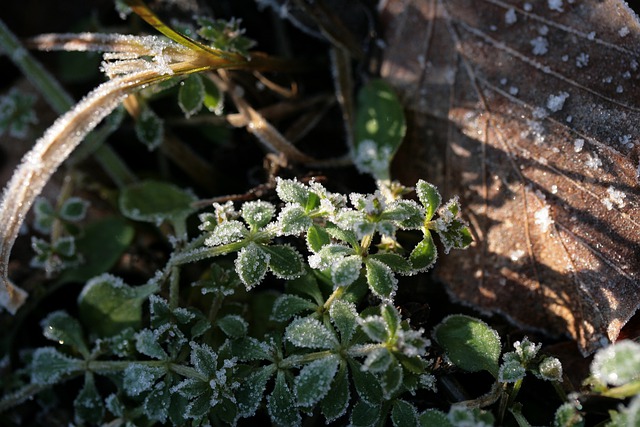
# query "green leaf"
(365, 415)
(469, 343)
(381, 279)
(107, 305)
(376, 328)
(101, 245)
(49, 366)
(429, 197)
(147, 344)
(335, 403)
(257, 213)
(213, 99)
(511, 371)
(424, 254)
(88, 404)
(149, 128)
(59, 326)
(249, 393)
(314, 380)
(251, 264)
(156, 404)
(617, 364)
(284, 261)
(567, 415)
(293, 220)
(396, 262)
(367, 385)
(308, 332)
(345, 318)
(341, 234)
(379, 128)
(138, 378)
(191, 95)
(44, 215)
(281, 404)
(155, 201)
(346, 271)
(286, 306)
(74, 209)
(434, 418)
(248, 349)
(391, 317)
(404, 414)
(378, 360)
(204, 359)
(317, 237)
(233, 326)
(292, 191)
(391, 379)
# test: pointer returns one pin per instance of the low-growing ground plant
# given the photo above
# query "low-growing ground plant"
(279, 305)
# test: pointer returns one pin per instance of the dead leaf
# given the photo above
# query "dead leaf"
(529, 111)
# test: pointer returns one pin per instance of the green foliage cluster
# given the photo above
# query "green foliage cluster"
(331, 344)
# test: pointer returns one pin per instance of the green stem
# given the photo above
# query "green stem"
(299, 359)
(337, 293)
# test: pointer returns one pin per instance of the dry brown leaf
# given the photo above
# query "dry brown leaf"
(529, 111)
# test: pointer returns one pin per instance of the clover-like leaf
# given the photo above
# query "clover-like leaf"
(378, 360)
(139, 378)
(397, 263)
(74, 209)
(404, 414)
(257, 213)
(434, 417)
(88, 404)
(379, 128)
(249, 393)
(346, 271)
(375, 327)
(424, 255)
(286, 306)
(366, 383)
(204, 359)
(108, 305)
(365, 414)
(149, 128)
(191, 95)
(292, 191)
(381, 279)
(550, 369)
(470, 343)
(147, 344)
(252, 264)
(155, 201)
(233, 326)
(293, 220)
(157, 402)
(391, 379)
(317, 238)
(308, 332)
(59, 326)
(429, 197)
(344, 317)
(227, 232)
(511, 371)
(281, 404)
(336, 402)
(284, 261)
(314, 380)
(49, 366)
(617, 364)
(213, 99)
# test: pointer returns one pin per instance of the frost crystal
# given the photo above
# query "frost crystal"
(593, 162)
(555, 5)
(528, 7)
(556, 102)
(510, 17)
(582, 60)
(540, 46)
(513, 90)
(616, 197)
(543, 219)
(578, 144)
(624, 31)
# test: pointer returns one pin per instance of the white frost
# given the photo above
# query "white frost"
(540, 46)
(616, 197)
(578, 144)
(555, 5)
(510, 17)
(556, 102)
(543, 219)
(593, 162)
(624, 31)
(582, 60)
(528, 7)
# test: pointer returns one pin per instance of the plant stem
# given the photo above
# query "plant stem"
(174, 288)
(336, 294)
